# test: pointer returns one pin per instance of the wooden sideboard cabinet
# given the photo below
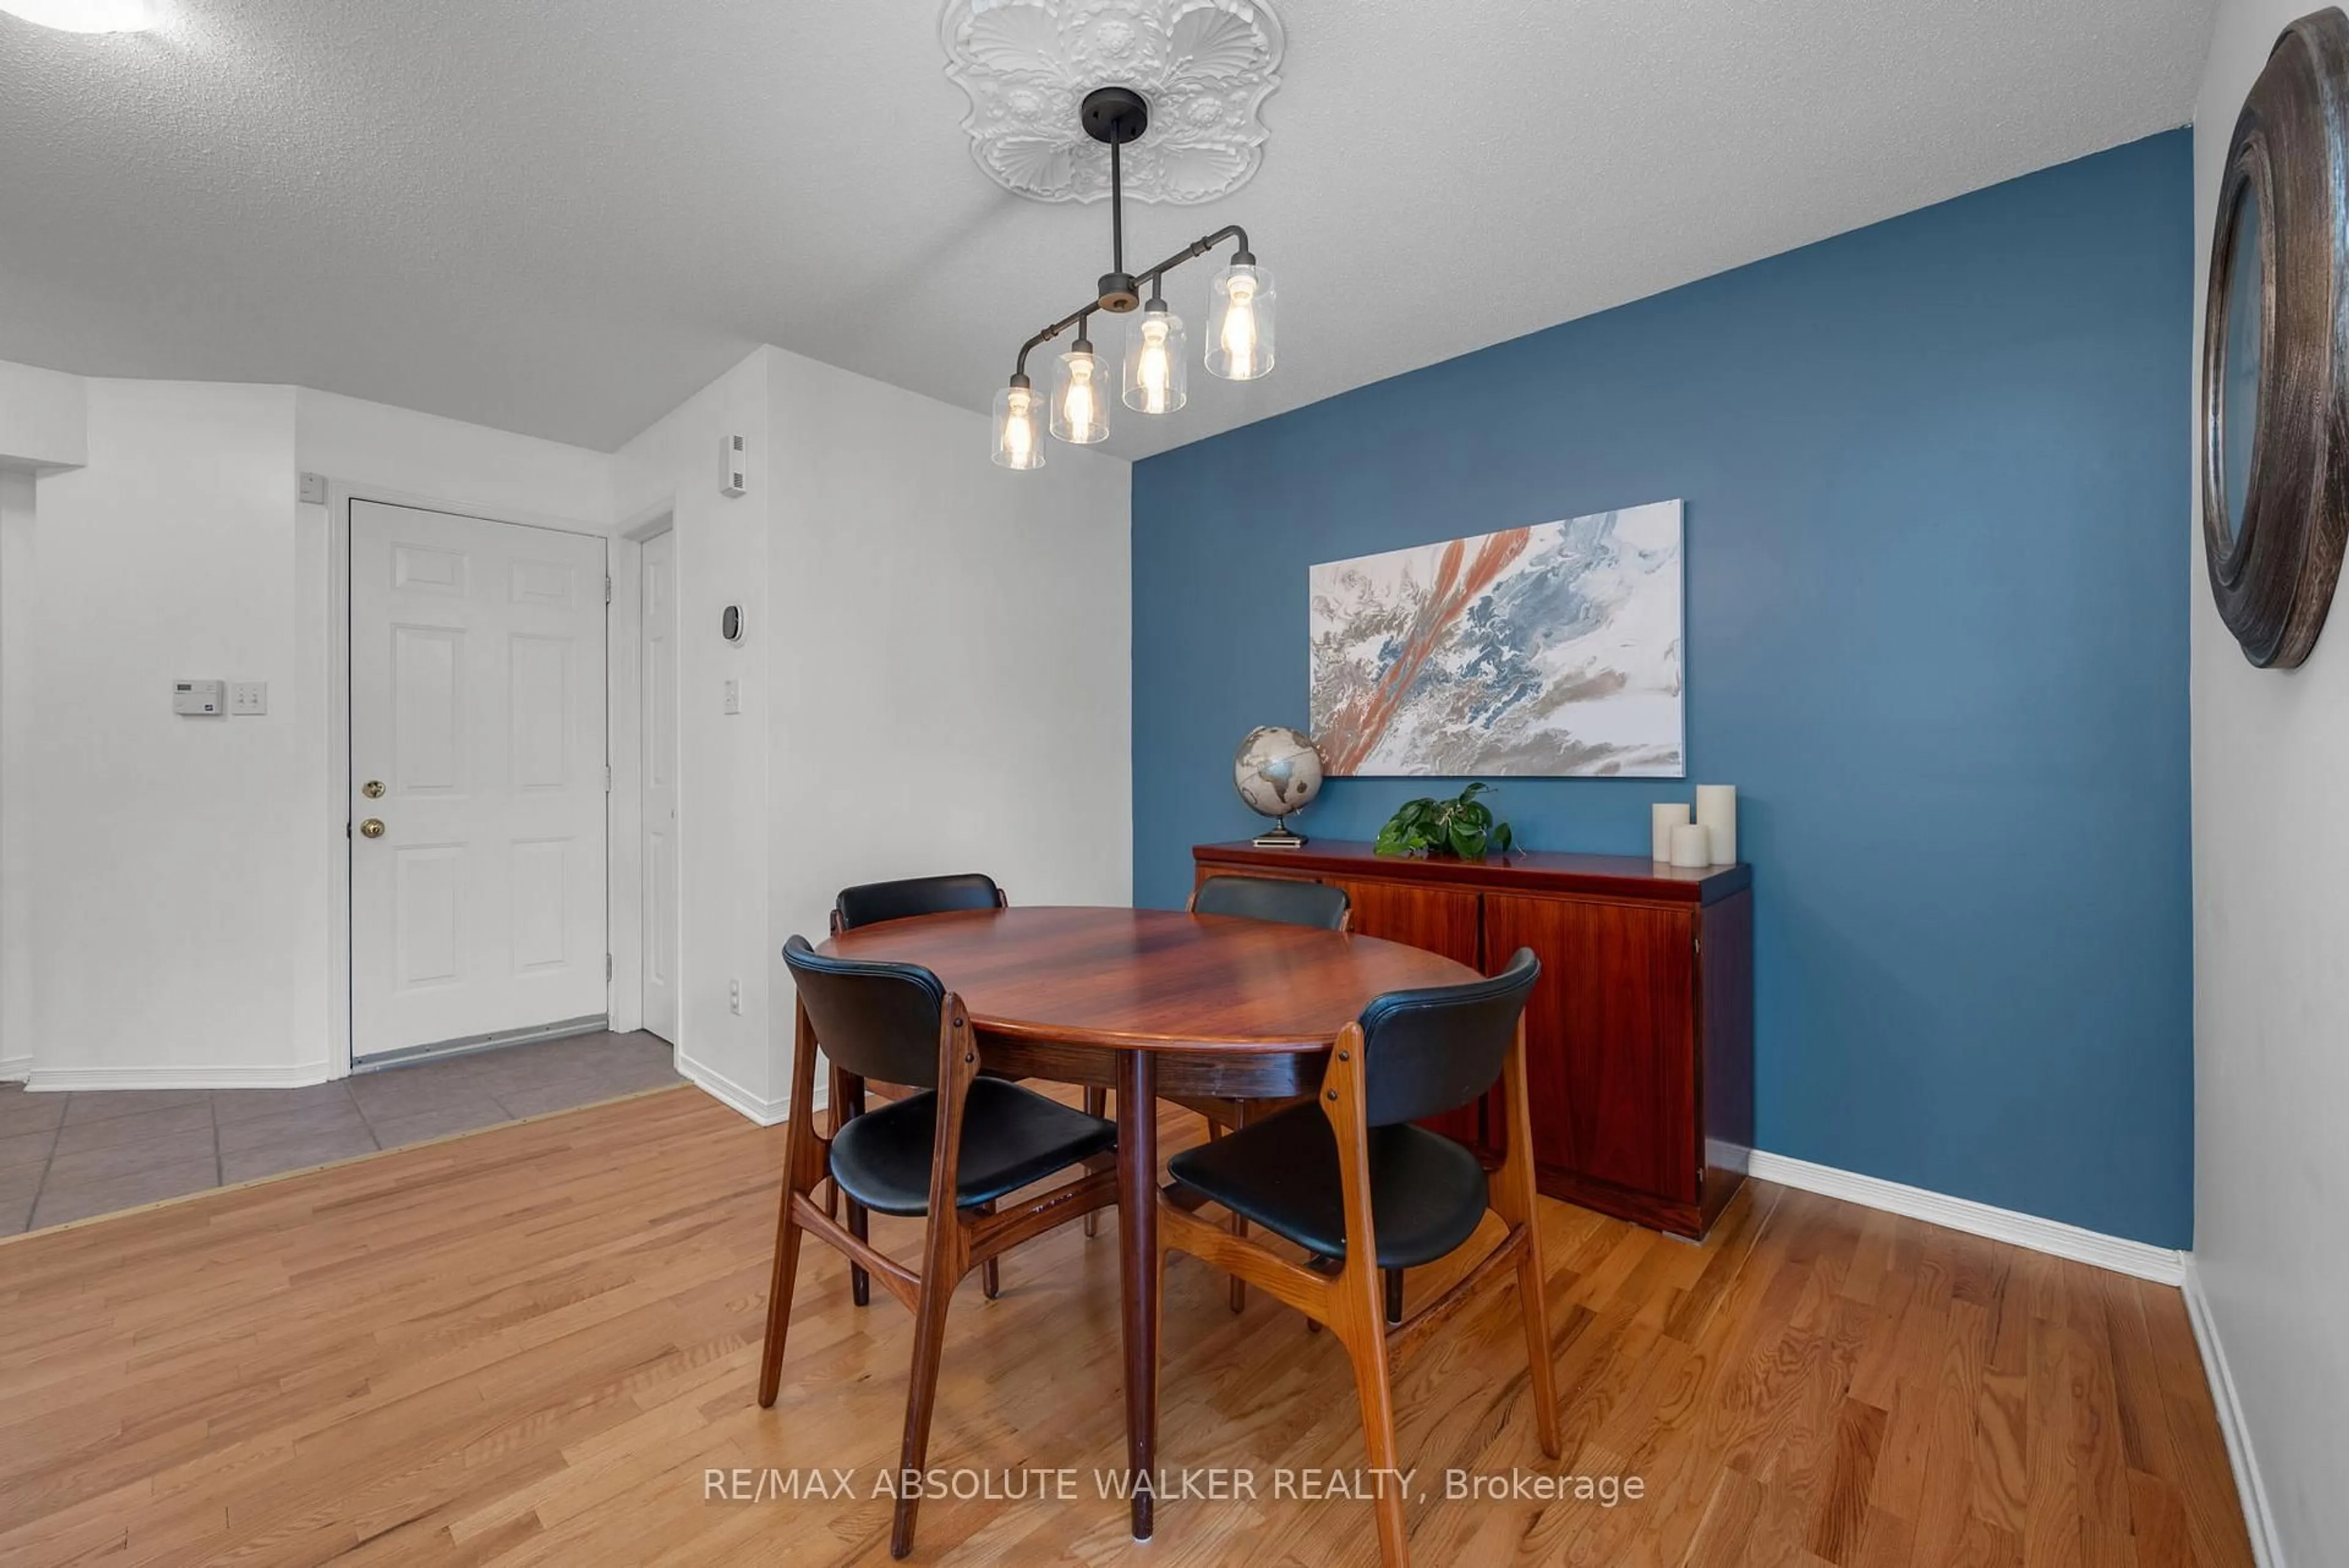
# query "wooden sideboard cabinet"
(1640, 1034)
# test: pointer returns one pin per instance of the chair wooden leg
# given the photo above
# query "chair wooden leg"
(1537, 1352)
(1239, 1286)
(1395, 1295)
(1096, 1104)
(1239, 1227)
(847, 1104)
(800, 1160)
(990, 1280)
(1517, 1201)
(945, 1258)
(779, 1300)
(1357, 1304)
(921, 1393)
(1361, 1326)
(1322, 1266)
(860, 1283)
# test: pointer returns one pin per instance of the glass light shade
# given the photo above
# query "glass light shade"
(1155, 365)
(85, 15)
(1019, 429)
(1239, 323)
(1081, 398)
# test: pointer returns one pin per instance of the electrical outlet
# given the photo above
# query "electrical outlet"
(248, 697)
(734, 997)
(733, 697)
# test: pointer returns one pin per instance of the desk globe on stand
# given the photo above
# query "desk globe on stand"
(1277, 772)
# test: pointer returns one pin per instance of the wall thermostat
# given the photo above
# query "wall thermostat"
(730, 625)
(200, 697)
(734, 473)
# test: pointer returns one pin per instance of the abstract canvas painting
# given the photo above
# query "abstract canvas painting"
(1542, 652)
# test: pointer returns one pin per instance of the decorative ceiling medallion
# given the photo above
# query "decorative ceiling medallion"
(1205, 66)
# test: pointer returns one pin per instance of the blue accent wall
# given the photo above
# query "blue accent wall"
(1938, 572)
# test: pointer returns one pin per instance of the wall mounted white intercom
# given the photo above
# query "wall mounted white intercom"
(734, 475)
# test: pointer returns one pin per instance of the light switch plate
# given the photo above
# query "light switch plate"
(248, 697)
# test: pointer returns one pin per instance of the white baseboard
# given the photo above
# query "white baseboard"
(16, 1069)
(2266, 1549)
(765, 1112)
(296, 1077)
(2163, 1265)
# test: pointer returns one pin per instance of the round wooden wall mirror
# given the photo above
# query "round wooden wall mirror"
(2274, 413)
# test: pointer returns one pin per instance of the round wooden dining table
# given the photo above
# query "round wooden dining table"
(1149, 1002)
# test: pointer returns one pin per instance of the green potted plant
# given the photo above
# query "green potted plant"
(1462, 826)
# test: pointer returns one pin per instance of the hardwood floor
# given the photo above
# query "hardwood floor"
(531, 1345)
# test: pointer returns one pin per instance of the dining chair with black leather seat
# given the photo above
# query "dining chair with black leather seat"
(950, 1154)
(903, 900)
(1349, 1177)
(1279, 899)
(1287, 901)
(869, 904)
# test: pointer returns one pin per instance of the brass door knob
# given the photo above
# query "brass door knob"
(372, 788)
(372, 827)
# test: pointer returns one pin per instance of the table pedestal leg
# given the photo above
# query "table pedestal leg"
(1137, 1240)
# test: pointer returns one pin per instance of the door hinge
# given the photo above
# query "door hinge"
(608, 588)
(608, 778)
(607, 966)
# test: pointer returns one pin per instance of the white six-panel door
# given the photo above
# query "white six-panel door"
(660, 861)
(477, 746)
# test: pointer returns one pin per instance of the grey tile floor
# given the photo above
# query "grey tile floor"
(66, 1157)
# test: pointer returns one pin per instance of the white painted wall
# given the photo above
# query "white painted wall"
(376, 447)
(167, 870)
(2271, 1008)
(17, 838)
(931, 643)
(953, 675)
(722, 803)
(42, 420)
(184, 873)
(935, 676)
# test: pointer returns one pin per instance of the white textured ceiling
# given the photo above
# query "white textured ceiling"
(563, 216)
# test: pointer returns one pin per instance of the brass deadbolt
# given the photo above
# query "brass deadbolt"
(372, 788)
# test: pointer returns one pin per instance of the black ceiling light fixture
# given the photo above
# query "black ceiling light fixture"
(1240, 321)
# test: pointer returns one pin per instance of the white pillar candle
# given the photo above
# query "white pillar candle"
(1716, 814)
(1663, 819)
(1691, 845)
